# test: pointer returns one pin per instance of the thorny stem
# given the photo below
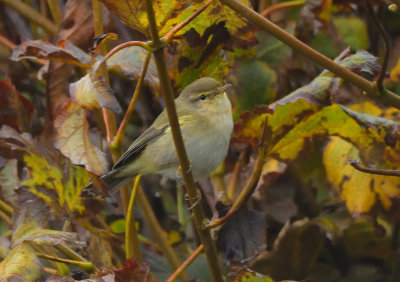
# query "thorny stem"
(282, 5)
(198, 212)
(185, 264)
(386, 45)
(370, 170)
(132, 245)
(121, 129)
(370, 88)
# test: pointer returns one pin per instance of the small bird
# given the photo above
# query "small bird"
(205, 118)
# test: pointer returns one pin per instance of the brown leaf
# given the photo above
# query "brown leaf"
(13, 144)
(73, 140)
(92, 91)
(63, 52)
(132, 271)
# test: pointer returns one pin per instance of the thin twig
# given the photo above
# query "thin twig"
(141, 44)
(132, 246)
(386, 45)
(198, 212)
(157, 232)
(370, 170)
(120, 133)
(32, 15)
(87, 266)
(185, 264)
(6, 42)
(282, 5)
(167, 37)
(251, 185)
(55, 11)
(370, 88)
(245, 194)
(6, 208)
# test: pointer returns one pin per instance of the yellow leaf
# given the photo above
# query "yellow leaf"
(20, 264)
(361, 191)
(45, 175)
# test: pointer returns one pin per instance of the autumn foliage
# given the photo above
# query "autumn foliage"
(310, 189)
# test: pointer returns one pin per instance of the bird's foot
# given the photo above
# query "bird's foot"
(194, 201)
(179, 175)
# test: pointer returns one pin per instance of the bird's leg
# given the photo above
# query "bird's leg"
(178, 174)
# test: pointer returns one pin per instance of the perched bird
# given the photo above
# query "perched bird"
(205, 118)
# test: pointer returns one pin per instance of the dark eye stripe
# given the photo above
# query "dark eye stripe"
(203, 97)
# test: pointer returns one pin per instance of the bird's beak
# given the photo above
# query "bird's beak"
(222, 89)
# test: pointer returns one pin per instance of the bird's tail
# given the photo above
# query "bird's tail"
(110, 181)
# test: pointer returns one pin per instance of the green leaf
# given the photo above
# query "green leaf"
(254, 83)
(172, 12)
(353, 31)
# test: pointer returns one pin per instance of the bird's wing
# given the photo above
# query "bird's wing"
(139, 145)
(159, 126)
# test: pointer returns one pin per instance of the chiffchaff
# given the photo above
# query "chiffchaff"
(205, 118)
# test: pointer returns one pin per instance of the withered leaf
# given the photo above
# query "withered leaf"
(63, 52)
(73, 140)
(92, 91)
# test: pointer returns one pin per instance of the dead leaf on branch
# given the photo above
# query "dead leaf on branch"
(73, 140)
(63, 52)
(92, 91)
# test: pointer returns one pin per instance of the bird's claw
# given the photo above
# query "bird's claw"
(179, 172)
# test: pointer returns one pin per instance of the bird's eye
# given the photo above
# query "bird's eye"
(203, 97)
